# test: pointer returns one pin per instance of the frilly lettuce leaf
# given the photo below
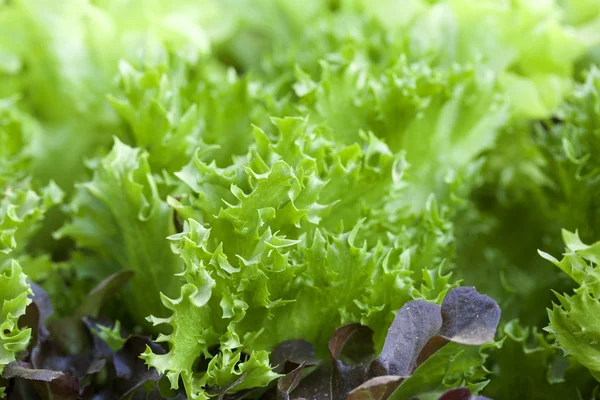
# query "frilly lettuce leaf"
(421, 126)
(573, 321)
(119, 216)
(551, 163)
(64, 57)
(173, 108)
(14, 298)
(16, 132)
(66, 87)
(21, 210)
(153, 109)
(542, 372)
(282, 232)
(22, 207)
(428, 112)
(448, 34)
(458, 31)
(578, 134)
(247, 31)
(61, 61)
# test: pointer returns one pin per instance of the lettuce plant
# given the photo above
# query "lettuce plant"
(299, 200)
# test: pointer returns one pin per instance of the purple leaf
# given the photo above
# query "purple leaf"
(420, 329)
(289, 354)
(469, 317)
(49, 355)
(351, 350)
(348, 343)
(380, 388)
(461, 394)
(289, 383)
(101, 349)
(352, 344)
(61, 386)
(130, 369)
(36, 314)
(23, 370)
(415, 324)
(316, 386)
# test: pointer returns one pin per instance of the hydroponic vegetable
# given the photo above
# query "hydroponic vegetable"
(274, 199)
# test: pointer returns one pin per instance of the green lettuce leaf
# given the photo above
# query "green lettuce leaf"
(22, 207)
(119, 216)
(63, 58)
(427, 112)
(175, 107)
(14, 298)
(21, 210)
(541, 373)
(16, 132)
(531, 74)
(549, 163)
(574, 319)
(276, 157)
(266, 242)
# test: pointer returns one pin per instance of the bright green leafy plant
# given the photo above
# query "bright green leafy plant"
(278, 199)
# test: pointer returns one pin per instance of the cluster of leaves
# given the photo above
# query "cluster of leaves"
(408, 361)
(78, 356)
(293, 195)
(82, 356)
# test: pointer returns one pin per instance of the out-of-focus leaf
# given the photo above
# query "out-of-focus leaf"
(92, 303)
(379, 388)
(293, 353)
(542, 372)
(461, 394)
(131, 370)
